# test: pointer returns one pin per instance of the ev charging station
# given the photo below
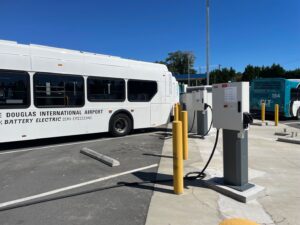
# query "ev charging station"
(231, 113)
(196, 101)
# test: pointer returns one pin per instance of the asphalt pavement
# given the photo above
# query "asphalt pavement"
(27, 170)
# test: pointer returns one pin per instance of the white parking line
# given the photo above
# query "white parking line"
(73, 143)
(5, 204)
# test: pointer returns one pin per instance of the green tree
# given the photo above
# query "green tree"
(239, 76)
(161, 62)
(272, 72)
(293, 74)
(214, 76)
(251, 72)
(180, 62)
(224, 75)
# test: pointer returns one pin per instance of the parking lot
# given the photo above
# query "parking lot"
(51, 182)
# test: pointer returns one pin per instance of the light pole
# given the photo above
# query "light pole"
(207, 42)
(188, 59)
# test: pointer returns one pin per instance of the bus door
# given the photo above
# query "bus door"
(295, 102)
(162, 102)
(141, 94)
(156, 104)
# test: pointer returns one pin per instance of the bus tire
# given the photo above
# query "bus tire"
(298, 114)
(120, 125)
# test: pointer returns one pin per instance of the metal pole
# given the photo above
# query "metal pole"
(207, 42)
(188, 69)
(198, 80)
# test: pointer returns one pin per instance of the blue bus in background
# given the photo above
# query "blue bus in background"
(271, 91)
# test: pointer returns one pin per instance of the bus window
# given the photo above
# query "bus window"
(141, 91)
(105, 89)
(56, 90)
(14, 89)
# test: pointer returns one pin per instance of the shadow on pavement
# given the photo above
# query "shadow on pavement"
(158, 155)
(147, 183)
(163, 180)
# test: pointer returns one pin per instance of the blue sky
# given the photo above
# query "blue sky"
(243, 32)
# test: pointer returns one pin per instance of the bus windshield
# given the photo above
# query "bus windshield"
(270, 93)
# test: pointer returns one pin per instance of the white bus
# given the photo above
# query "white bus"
(51, 92)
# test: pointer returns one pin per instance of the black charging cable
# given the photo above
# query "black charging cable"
(201, 174)
(192, 122)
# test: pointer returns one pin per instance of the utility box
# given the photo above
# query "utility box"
(231, 113)
(194, 101)
(230, 105)
(200, 96)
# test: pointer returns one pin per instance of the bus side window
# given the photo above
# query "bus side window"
(105, 89)
(141, 90)
(56, 90)
(14, 89)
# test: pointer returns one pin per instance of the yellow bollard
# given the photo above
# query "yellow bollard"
(176, 113)
(237, 221)
(263, 112)
(177, 158)
(276, 114)
(179, 110)
(185, 145)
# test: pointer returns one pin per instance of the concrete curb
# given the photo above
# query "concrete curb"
(289, 140)
(245, 196)
(100, 157)
(256, 124)
(281, 133)
(260, 124)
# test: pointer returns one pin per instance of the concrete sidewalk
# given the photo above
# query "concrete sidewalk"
(273, 165)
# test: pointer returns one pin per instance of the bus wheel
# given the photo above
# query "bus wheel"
(298, 114)
(120, 125)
